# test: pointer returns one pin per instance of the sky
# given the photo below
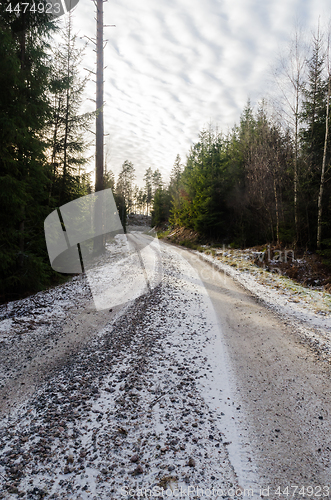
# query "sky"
(175, 66)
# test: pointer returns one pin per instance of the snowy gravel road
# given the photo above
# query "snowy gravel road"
(280, 384)
(136, 406)
(192, 390)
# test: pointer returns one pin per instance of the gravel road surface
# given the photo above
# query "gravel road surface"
(281, 385)
(192, 390)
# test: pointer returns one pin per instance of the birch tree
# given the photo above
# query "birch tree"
(326, 136)
(290, 78)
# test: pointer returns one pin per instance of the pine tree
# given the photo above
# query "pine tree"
(176, 173)
(313, 137)
(148, 188)
(314, 106)
(24, 107)
(161, 207)
(67, 127)
(124, 186)
(156, 181)
(141, 200)
(174, 189)
(109, 180)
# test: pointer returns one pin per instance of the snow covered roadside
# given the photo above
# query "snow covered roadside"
(308, 310)
(36, 325)
(145, 404)
(38, 332)
(40, 309)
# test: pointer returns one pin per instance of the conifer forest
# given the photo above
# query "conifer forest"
(265, 180)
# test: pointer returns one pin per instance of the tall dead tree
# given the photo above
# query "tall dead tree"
(99, 241)
(99, 100)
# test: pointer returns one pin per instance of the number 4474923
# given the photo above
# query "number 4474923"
(40, 7)
(309, 491)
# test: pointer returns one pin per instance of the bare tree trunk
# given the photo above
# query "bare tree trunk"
(296, 221)
(277, 211)
(99, 243)
(53, 163)
(66, 118)
(271, 226)
(99, 101)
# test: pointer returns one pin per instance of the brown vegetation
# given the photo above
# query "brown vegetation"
(305, 267)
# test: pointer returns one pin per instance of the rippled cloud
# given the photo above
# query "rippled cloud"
(174, 66)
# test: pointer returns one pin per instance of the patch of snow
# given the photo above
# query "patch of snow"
(142, 387)
(308, 309)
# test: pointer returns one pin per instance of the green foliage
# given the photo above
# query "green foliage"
(161, 205)
(233, 188)
(189, 244)
(314, 108)
(124, 186)
(163, 234)
(109, 180)
(312, 139)
(148, 188)
(24, 108)
(29, 188)
(325, 253)
(122, 208)
(206, 184)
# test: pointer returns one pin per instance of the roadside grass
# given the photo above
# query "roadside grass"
(163, 234)
(304, 276)
(317, 298)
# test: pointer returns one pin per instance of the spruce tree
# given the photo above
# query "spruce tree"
(313, 138)
(161, 207)
(314, 107)
(157, 181)
(148, 188)
(124, 186)
(24, 107)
